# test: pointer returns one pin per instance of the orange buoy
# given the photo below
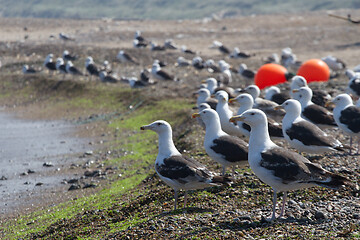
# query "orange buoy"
(314, 70)
(270, 74)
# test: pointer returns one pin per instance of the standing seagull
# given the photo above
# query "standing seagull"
(320, 97)
(65, 37)
(204, 96)
(224, 112)
(125, 57)
(160, 74)
(311, 111)
(68, 57)
(28, 70)
(49, 63)
(274, 94)
(282, 169)
(354, 85)
(347, 116)
(246, 102)
(304, 135)
(91, 67)
(61, 67)
(176, 170)
(223, 148)
(70, 68)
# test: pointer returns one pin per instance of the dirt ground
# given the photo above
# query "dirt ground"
(311, 35)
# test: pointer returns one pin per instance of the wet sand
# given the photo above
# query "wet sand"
(24, 148)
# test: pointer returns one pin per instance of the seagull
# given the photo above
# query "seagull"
(304, 135)
(347, 116)
(311, 111)
(106, 66)
(225, 70)
(135, 83)
(91, 67)
(185, 50)
(28, 70)
(70, 68)
(197, 63)
(265, 105)
(204, 96)
(168, 44)
(49, 63)
(224, 112)
(246, 73)
(178, 171)
(139, 37)
(335, 64)
(125, 57)
(160, 74)
(105, 77)
(273, 58)
(280, 168)
(354, 86)
(201, 107)
(223, 148)
(220, 47)
(246, 102)
(320, 97)
(65, 37)
(68, 57)
(238, 54)
(211, 66)
(182, 62)
(61, 66)
(138, 44)
(156, 47)
(274, 94)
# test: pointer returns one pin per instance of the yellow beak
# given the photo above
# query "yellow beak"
(231, 100)
(328, 103)
(203, 81)
(295, 90)
(195, 115)
(278, 107)
(236, 118)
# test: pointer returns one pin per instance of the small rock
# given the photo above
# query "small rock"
(94, 173)
(319, 215)
(90, 185)
(24, 174)
(73, 180)
(152, 228)
(29, 171)
(27, 183)
(39, 184)
(89, 153)
(74, 187)
(3, 178)
(48, 164)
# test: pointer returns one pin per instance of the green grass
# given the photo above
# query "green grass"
(142, 153)
(163, 9)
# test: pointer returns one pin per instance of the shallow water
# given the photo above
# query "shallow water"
(28, 145)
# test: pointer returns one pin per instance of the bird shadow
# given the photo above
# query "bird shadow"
(188, 210)
(356, 44)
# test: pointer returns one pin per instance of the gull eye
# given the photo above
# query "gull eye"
(286, 103)
(300, 95)
(159, 124)
(252, 114)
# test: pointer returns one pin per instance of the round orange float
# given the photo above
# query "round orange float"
(270, 74)
(314, 70)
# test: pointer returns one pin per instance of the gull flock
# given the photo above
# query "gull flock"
(240, 126)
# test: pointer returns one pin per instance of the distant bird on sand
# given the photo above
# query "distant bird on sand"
(70, 68)
(49, 63)
(184, 49)
(169, 44)
(107, 78)
(178, 171)
(220, 46)
(239, 54)
(68, 57)
(160, 74)
(65, 37)
(125, 57)
(156, 47)
(138, 44)
(335, 64)
(61, 66)
(28, 70)
(91, 67)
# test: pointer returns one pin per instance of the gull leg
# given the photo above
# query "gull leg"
(350, 144)
(223, 171)
(185, 198)
(234, 170)
(274, 208)
(176, 197)
(283, 205)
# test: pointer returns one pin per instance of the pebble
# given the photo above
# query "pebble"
(3, 178)
(39, 184)
(319, 215)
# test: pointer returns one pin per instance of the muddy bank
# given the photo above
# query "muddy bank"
(35, 157)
